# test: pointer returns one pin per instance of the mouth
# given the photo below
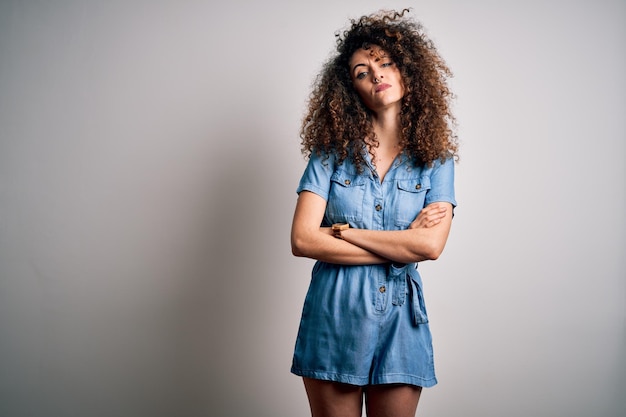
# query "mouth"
(382, 87)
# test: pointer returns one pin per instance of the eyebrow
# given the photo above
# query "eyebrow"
(358, 65)
(378, 58)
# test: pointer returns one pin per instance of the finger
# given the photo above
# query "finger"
(433, 223)
(433, 210)
(436, 216)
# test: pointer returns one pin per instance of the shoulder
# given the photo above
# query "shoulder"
(438, 165)
(323, 160)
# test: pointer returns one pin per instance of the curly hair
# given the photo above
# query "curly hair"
(338, 122)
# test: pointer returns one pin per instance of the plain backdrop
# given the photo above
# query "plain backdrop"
(149, 156)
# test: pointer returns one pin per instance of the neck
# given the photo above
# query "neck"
(387, 128)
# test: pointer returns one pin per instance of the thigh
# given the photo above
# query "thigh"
(333, 399)
(392, 400)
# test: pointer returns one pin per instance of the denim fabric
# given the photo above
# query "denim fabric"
(367, 324)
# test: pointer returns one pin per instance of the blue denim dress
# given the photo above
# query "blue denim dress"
(367, 324)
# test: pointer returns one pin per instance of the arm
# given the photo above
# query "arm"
(311, 241)
(424, 240)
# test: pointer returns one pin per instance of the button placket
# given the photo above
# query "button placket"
(378, 207)
(380, 295)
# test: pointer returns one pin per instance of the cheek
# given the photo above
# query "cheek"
(360, 92)
(401, 83)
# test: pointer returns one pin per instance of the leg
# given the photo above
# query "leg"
(392, 400)
(333, 399)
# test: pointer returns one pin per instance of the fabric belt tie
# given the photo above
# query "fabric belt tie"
(407, 275)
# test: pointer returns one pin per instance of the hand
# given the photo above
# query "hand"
(430, 216)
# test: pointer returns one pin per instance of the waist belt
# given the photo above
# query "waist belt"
(406, 275)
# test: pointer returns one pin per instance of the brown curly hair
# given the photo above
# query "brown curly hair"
(338, 122)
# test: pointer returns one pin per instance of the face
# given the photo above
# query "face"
(376, 79)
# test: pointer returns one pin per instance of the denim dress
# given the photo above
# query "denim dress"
(367, 324)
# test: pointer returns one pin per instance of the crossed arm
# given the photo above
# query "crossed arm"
(423, 240)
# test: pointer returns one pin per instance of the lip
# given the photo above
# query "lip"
(382, 87)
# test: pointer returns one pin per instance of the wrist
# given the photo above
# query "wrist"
(337, 228)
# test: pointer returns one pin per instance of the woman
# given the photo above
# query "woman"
(375, 199)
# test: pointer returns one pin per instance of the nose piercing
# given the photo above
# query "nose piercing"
(376, 80)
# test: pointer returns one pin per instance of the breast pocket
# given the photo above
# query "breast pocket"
(345, 199)
(410, 198)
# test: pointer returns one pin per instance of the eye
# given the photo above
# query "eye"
(361, 75)
(387, 64)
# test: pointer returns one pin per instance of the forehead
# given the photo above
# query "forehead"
(372, 52)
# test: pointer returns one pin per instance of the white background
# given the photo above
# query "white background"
(149, 156)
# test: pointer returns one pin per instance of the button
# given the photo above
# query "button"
(418, 186)
(378, 207)
(382, 289)
(347, 182)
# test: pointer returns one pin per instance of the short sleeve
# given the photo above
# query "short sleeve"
(316, 176)
(441, 183)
